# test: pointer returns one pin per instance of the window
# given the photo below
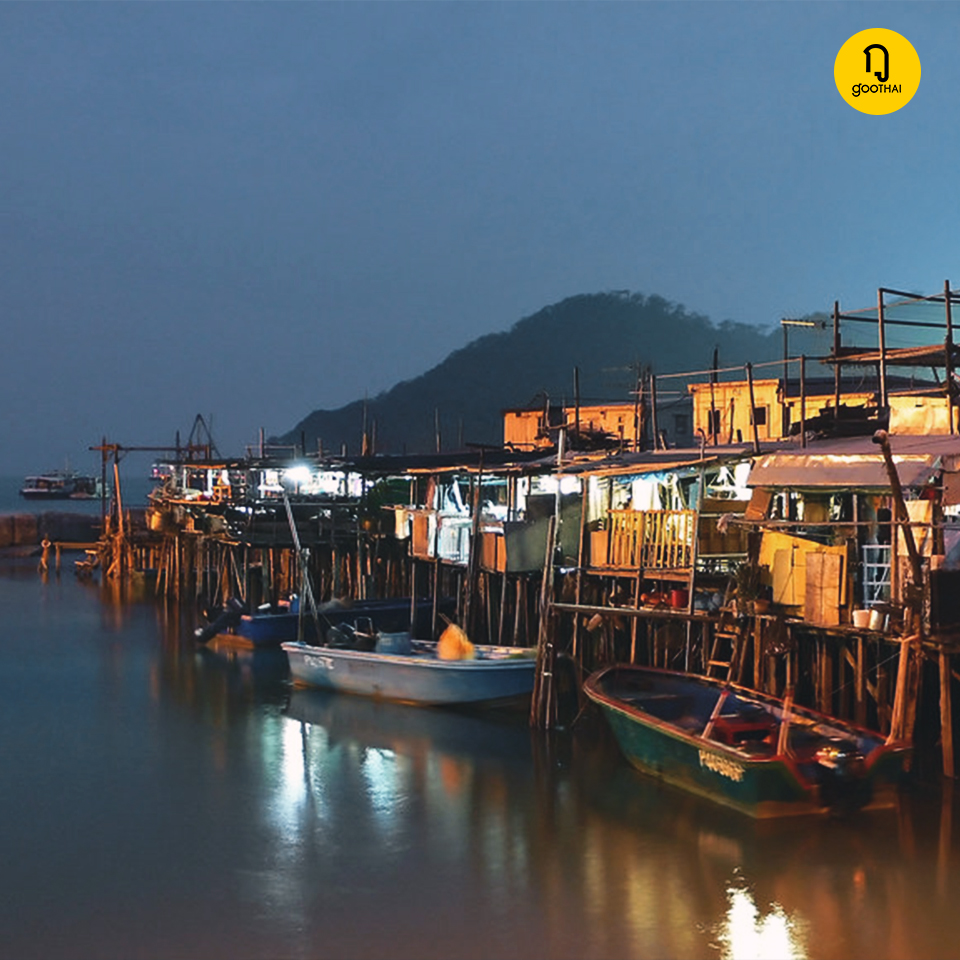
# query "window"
(759, 416)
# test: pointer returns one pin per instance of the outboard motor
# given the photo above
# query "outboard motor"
(843, 786)
(229, 617)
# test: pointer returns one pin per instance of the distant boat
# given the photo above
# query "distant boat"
(61, 485)
(755, 753)
(410, 672)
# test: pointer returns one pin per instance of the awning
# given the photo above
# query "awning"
(848, 471)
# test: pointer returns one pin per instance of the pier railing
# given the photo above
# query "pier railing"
(648, 539)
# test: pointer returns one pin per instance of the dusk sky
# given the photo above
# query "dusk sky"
(254, 210)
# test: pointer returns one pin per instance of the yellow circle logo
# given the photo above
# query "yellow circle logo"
(877, 71)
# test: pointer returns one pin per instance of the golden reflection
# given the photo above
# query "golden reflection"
(746, 935)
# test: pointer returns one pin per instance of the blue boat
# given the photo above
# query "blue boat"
(414, 673)
(755, 753)
(269, 626)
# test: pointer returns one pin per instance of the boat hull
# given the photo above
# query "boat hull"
(498, 675)
(760, 786)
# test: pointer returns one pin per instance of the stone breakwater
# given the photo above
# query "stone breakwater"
(31, 529)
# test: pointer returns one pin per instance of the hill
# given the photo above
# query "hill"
(605, 335)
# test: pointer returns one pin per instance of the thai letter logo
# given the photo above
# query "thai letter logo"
(884, 74)
(892, 74)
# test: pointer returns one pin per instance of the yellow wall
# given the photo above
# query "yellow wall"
(783, 562)
(919, 416)
(521, 427)
(766, 398)
(766, 395)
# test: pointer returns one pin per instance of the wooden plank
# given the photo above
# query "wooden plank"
(823, 588)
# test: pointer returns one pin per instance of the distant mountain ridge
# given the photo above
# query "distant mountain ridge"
(605, 335)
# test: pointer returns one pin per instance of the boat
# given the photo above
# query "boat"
(61, 485)
(760, 755)
(270, 625)
(410, 671)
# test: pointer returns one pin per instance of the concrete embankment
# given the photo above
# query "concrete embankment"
(30, 529)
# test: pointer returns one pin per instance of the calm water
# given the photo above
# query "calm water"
(164, 801)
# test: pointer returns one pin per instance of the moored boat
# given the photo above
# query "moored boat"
(269, 626)
(413, 672)
(61, 485)
(746, 750)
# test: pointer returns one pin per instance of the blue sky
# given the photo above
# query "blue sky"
(253, 210)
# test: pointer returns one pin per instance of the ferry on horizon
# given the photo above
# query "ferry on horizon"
(61, 485)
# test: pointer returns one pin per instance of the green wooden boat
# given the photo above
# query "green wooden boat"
(760, 755)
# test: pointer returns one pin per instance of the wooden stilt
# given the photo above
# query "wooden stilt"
(946, 715)
(859, 686)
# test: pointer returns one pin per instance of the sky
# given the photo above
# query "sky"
(251, 211)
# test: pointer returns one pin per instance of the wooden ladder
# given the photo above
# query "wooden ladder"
(727, 642)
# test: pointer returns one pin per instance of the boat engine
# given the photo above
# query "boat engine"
(229, 617)
(841, 774)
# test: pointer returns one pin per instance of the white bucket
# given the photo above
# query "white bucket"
(877, 620)
(861, 618)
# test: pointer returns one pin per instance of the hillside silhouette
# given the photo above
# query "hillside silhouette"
(606, 335)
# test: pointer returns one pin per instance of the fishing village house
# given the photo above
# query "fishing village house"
(761, 540)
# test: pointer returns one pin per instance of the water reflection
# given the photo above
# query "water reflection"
(746, 935)
(193, 794)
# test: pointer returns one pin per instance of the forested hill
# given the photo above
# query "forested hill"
(605, 335)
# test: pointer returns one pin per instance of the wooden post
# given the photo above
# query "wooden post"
(837, 372)
(859, 686)
(413, 597)
(948, 352)
(653, 412)
(540, 702)
(713, 400)
(576, 401)
(884, 399)
(783, 735)
(638, 393)
(803, 400)
(473, 559)
(503, 607)
(946, 715)
(785, 406)
(753, 409)
(581, 550)
(757, 637)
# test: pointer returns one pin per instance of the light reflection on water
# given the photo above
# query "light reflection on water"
(748, 935)
(163, 800)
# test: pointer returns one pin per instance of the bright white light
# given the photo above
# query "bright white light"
(748, 936)
(549, 483)
(297, 474)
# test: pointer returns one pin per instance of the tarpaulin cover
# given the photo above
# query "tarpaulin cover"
(851, 471)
